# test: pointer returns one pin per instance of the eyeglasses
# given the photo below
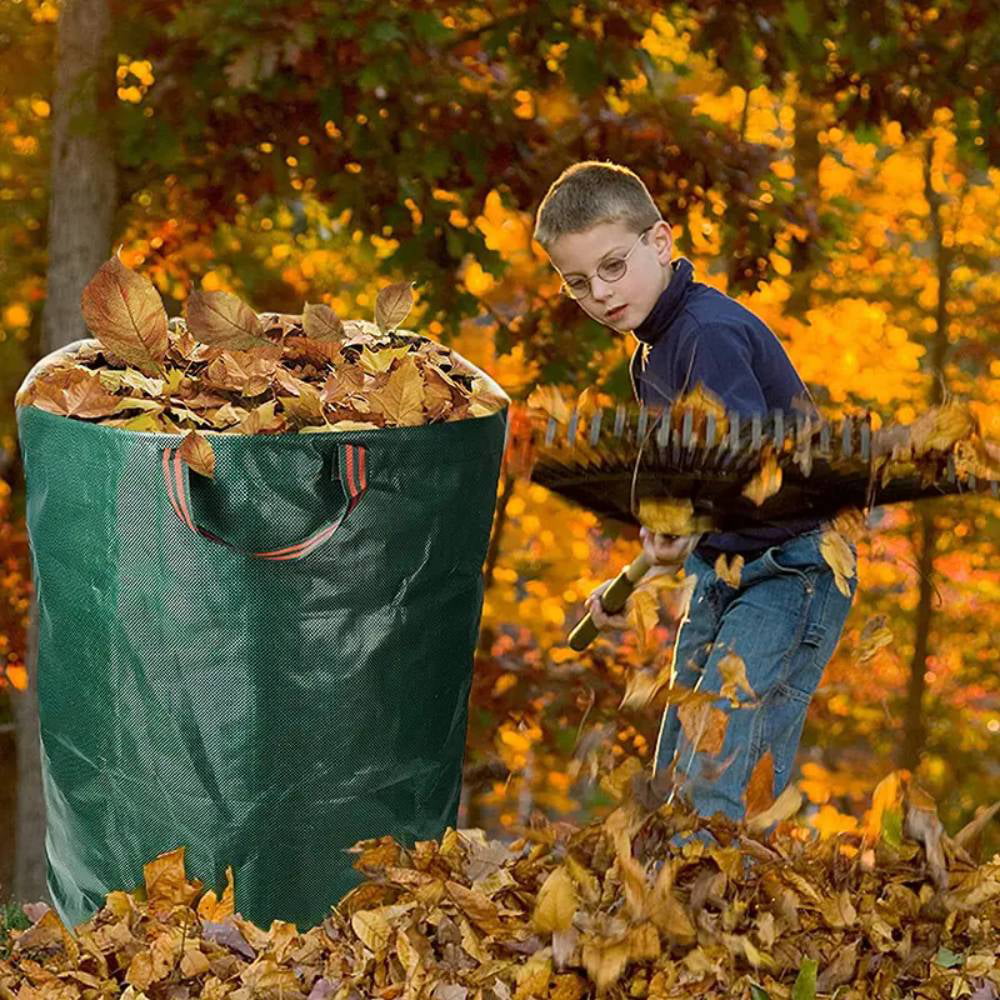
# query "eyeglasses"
(610, 269)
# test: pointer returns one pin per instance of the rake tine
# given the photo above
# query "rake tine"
(550, 431)
(687, 426)
(640, 427)
(847, 438)
(824, 438)
(619, 421)
(595, 427)
(950, 472)
(866, 439)
(779, 430)
(574, 419)
(755, 432)
(995, 488)
(710, 431)
(663, 433)
(734, 432)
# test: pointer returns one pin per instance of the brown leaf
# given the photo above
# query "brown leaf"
(393, 304)
(320, 322)
(197, 451)
(221, 319)
(125, 313)
(401, 400)
(76, 393)
(760, 787)
(704, 726)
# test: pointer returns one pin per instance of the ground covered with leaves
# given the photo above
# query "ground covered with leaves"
(611, 909)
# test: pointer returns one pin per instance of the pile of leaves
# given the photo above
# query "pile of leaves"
(611, 909)
(225, 368)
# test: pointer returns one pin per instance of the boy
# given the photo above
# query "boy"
(605, 237)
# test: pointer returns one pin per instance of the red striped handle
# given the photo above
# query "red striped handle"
(355, 479)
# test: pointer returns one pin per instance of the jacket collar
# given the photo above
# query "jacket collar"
(668, 305)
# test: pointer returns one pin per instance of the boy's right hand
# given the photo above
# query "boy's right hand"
(665, 552)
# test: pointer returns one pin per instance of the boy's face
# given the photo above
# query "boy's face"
(625, 303)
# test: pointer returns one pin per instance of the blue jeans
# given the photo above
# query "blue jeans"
(784, 621)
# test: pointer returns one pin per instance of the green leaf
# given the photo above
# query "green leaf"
(948, 959)
(758, 992)
(805, 981)
(892, 827)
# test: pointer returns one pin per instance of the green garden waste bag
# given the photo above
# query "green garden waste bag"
(265, 667)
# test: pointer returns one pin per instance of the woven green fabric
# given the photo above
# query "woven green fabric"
(265, 713)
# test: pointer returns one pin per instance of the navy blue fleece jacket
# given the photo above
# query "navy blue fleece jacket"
(695, 333)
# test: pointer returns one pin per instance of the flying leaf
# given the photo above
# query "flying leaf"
(393, 304)
(221, 319)
(839, 557)
(766, 481)
(874, 635)
(786, 805)
(759, 794)
(320, 322)
(729, 572)
(734, 677)
(197, 451)
(125, 313)
(704, 726)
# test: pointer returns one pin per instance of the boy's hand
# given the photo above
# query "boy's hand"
(601, 618)
(665, 552)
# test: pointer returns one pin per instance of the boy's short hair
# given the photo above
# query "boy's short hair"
(589, 193)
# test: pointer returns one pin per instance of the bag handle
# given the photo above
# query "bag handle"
(176, 478)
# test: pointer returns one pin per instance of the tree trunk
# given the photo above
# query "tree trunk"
(927, 534)
(82, 204)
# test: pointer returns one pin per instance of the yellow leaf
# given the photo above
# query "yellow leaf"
(166, 884)
(786, 805)
(729, 572)
(211, 907)
(377, 362)
(839, 558)
(644, 614)
(875, 634)
(556, 903)
(734, 677)
(373, 930)
(767, 480)
(550, 401)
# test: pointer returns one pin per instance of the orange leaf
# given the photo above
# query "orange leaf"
(196, 450)
(223, 320)
(393, 304)
(760, 788)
